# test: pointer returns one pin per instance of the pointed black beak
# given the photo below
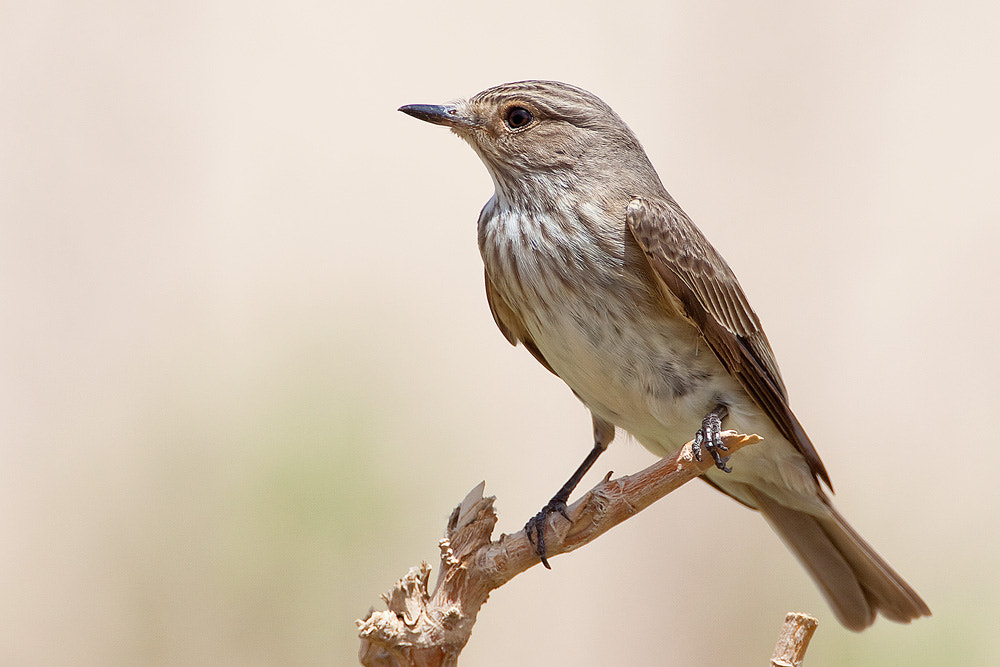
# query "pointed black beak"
(439, 114)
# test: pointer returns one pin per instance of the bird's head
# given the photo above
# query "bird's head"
(542, 132)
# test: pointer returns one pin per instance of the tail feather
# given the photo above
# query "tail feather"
(856, 582)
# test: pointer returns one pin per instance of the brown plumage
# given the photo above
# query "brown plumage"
(595, 269)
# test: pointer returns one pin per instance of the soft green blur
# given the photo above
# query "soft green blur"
(248, 368)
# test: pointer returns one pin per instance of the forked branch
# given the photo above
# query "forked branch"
(426, 629)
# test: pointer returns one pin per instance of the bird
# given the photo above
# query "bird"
(594, 268)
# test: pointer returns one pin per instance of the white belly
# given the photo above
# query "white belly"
(654, 378)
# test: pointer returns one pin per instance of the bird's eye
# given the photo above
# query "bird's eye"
(518, 117)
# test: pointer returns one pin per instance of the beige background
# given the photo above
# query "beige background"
(247, 365)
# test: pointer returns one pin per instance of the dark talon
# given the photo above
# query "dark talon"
(710, 435)
(536, 527)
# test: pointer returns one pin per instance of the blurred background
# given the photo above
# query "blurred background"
(247, 366)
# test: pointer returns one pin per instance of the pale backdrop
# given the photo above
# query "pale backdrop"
(247, 366)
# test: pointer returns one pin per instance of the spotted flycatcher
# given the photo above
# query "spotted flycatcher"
(595, 269)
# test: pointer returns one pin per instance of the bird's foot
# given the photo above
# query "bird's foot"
(537, 524)
(710, 435)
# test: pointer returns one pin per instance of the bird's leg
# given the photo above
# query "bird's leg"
(604, 433)
(710, 435)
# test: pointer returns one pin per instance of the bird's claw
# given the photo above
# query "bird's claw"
(710, 435)
(537, 524)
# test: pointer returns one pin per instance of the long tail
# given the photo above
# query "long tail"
(856, 582)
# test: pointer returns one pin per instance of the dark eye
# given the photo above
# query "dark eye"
(518, 117)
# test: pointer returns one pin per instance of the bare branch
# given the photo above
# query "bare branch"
(793, 641)
(426, 629)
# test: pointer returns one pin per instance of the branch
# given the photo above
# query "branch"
(793, 641)
(426, 629)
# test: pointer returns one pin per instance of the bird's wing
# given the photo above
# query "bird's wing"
(694, 273)
(510, 324)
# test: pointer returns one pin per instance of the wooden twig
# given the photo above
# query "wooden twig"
(426, 629)
(793, 641)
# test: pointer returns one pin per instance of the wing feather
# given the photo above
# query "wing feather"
(510, 324)
(695, 274)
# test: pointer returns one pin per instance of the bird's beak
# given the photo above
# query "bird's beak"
(440, 114)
